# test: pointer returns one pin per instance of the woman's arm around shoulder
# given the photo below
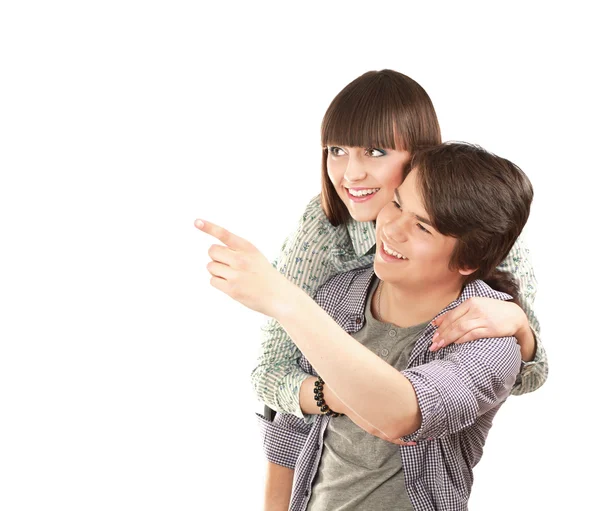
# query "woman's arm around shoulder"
(533, 373)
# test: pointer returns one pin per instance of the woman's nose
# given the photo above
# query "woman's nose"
(355, 170)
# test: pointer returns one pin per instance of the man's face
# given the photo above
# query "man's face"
(409, 250)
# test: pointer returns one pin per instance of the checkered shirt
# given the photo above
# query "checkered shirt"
(459, 390)
(314, 253)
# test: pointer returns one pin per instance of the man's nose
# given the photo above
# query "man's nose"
(396, 229)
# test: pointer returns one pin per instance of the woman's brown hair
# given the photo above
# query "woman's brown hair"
(478, 198)
(383, 109)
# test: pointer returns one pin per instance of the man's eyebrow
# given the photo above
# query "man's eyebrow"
(419, 218)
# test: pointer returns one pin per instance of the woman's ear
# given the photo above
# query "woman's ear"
(465, 272)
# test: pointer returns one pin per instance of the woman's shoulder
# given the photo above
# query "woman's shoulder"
(315, 203)
(313, 238)
(315, 208)
(314, 218)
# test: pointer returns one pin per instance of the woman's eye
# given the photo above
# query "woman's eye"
(396, 204)
(335, 151)
(375, 153)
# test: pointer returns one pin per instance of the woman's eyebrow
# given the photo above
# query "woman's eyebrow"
(418, 217)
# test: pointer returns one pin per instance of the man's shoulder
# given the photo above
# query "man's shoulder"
(347, 288)
(349, 280)
(479, 288)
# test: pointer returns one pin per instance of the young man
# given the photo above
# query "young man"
(456, 215)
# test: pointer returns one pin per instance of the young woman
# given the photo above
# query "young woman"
(456, 215)
(369, 133)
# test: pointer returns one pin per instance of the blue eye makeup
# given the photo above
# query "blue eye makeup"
(371, 150)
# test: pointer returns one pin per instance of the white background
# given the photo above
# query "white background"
(124, 377)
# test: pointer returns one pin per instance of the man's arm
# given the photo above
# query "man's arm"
(302, 260)
(309, 406)
(453, 391)
(362, 381)
(442, 396)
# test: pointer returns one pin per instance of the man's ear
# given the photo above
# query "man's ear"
(467, 271)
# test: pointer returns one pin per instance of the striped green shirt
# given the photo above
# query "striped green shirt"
(311, 256)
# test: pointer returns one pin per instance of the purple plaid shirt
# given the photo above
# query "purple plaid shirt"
(459, 389)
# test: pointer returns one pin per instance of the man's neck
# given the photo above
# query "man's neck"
(407, 307)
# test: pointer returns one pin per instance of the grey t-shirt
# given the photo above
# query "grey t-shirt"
(359, 471)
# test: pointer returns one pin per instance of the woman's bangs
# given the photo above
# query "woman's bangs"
(362, 124)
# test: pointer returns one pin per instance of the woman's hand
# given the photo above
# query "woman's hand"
(479, 318)
(242, 272)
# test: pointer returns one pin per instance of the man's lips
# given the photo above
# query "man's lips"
(390, 254)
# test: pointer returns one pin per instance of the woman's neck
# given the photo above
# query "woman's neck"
(407, 307)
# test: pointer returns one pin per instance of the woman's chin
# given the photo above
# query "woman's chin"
(363, 212)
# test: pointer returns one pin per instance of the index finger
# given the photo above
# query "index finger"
(222, 234)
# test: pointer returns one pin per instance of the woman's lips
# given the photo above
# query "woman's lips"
(362, 198)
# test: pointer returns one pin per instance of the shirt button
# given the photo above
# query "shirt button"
(384, 352)
(306, 493)
(392, 333)
(358, 321)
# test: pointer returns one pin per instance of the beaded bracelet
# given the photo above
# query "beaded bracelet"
(321, 400)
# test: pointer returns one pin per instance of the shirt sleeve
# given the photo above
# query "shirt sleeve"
(305, 260)
(533, 374)
(283, 439)
(455, 390)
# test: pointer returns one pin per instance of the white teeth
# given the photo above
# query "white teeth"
(389, 251)
(361, 193)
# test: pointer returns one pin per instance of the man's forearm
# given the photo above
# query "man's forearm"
(278, 487)
(361, 380)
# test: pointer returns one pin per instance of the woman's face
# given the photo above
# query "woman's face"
(365, 177)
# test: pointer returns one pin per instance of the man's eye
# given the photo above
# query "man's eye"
(423, 228)
(375, 153)
(396, 204)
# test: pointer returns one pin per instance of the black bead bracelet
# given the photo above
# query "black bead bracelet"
(321, 400)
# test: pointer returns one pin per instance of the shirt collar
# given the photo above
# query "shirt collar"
(356, 302)
(362, 235)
